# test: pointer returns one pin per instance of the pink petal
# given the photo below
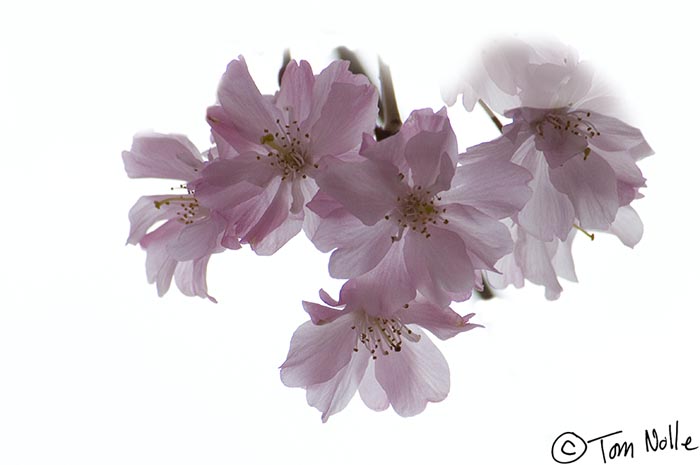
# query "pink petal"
(190, 278)
(336, 72)
(230, 142)
(145, 214)
(439, 266)
(535, 259)
(296, 90)
(486, 239)
(629, 176)
(168, 156)
(618, 136)
(318, 352)
(349, 111)
(275, 214)
(223, 197)
(371, 391)
(359, 248)
(383, 290)
(413, 377)
(442, 322)
(549, 212)
(160, 266)
(334, 395)
(279, 236)
(627, 226)
(240, 98)
(487, 180)
(592, 189)
(196, 240)
(320, 314)
(368, 189)
(432, 154)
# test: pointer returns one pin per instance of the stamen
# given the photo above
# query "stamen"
(417, 210)
(382, 336)
(590, 235)
(287, 153)
(573, 122)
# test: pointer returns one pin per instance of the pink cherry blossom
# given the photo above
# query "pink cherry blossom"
(181, 246)
(277, 143)
(407, 219)
(387, 357)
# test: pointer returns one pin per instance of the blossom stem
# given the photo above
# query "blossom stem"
(492, 115)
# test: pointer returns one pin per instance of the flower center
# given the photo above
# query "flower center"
(381, 336)
(417, 210)
(189, 206)
(287, 149)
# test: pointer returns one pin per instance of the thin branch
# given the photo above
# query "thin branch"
(392, 118)
(286, 58)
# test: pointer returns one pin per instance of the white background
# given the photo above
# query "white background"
(96, 369)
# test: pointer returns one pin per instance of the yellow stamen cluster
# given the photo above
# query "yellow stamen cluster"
(288, 149)
(417, 211)
(188, 205)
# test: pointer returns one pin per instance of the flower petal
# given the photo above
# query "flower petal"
(160, 266)
(368, 189)
(627, 226)
(145, 214)
(549, 213)
(442, 322)
(296, 90)
(413, 377)
(197, 240)
(371, 391)
(190, 277)
(488, 180)
(318, 352)
(383, 290)
(359, 248)
(486, 239)
(349, 111)
(591, 187)
(334, 395)
(275, 214)
(439, 266)
(249, 111)
(167, 156)
(431, 154)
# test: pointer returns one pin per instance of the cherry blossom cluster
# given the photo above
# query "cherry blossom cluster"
(413, 224)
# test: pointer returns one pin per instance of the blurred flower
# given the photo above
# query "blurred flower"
(387, 357)
(583, 161)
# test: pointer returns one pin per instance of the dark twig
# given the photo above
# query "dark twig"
(286, 58)
(392, 118)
